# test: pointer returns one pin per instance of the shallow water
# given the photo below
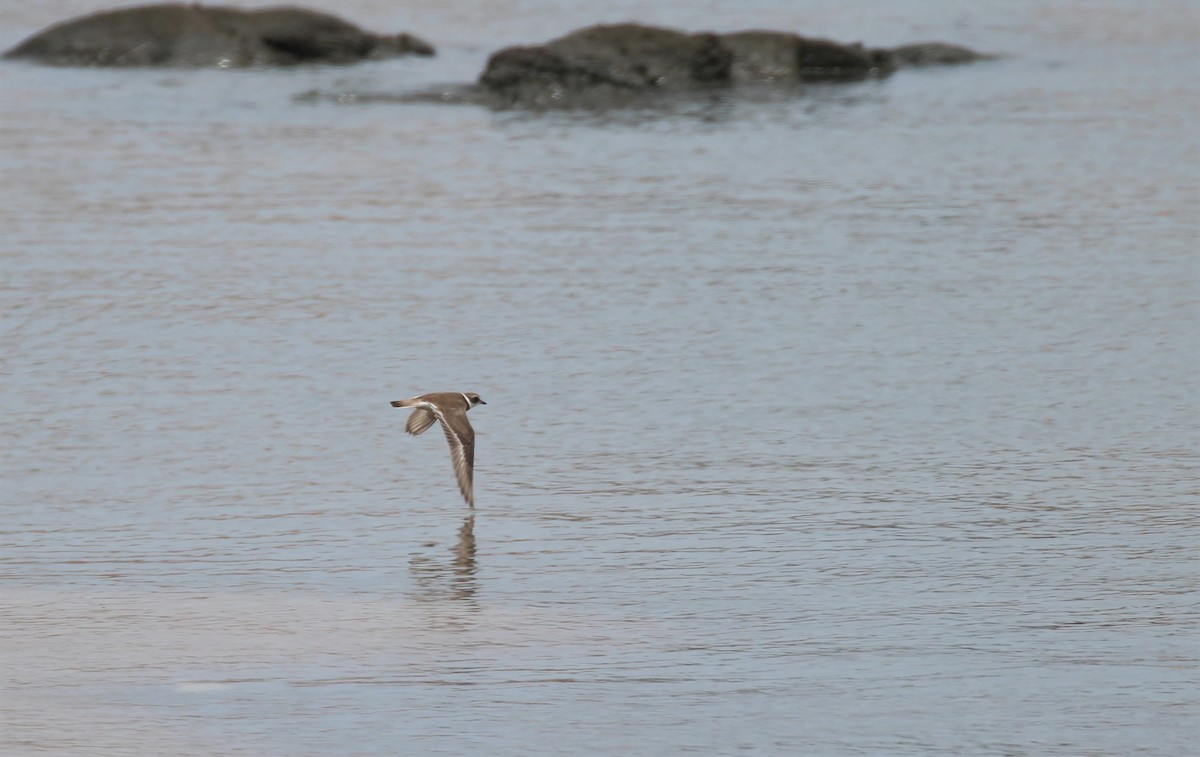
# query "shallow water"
(861, 421)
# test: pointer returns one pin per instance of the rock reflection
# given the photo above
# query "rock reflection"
(439, 579)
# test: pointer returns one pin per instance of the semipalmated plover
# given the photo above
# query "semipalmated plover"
(449, 409)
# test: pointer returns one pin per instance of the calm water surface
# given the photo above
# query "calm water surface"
(860, 420)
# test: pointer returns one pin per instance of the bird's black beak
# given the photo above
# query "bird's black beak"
(481, 401)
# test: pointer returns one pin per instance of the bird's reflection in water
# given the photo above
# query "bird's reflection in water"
(453, 578)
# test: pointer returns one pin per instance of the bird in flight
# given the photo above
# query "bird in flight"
(449, 409)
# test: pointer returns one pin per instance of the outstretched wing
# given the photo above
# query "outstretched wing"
(420, 420)
(461, 437)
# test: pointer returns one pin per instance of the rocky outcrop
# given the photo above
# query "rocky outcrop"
(199, 35)
(606, 66)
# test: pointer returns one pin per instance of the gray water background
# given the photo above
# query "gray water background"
(856, 420)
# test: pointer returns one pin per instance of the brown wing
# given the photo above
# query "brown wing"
(461, 438)
(420, 420)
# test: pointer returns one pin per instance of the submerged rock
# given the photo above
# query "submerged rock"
(607, 66)
(935, 54)
(174, 34)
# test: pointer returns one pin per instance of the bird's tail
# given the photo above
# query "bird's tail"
(403, 403)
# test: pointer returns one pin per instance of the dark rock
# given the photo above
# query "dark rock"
(606, 65)
(765, 56)
(197, 35)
